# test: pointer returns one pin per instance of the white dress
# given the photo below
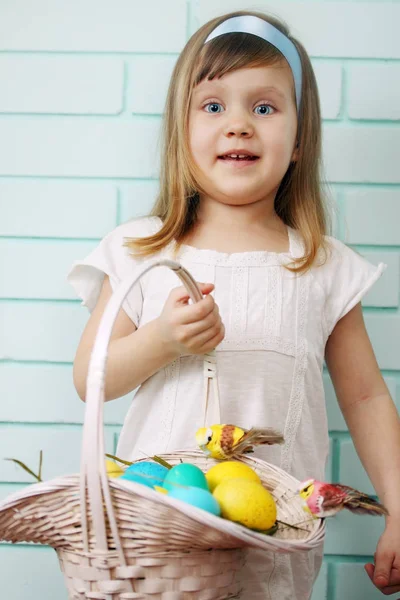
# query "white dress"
(269, 364)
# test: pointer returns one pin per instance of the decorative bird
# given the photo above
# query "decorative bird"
(327, 499)
(224, 441)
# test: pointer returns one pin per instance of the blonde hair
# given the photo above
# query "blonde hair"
(299, 201)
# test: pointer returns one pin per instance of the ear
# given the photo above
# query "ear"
(295, 154)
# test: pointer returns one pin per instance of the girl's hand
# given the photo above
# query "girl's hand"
(191, 328)
(385, 574)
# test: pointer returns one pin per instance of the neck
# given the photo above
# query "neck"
(257, 214)
(236, 228)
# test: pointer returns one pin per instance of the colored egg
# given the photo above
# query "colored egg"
(196, 497)
(187, 475)
(146, 472)
(113, 470)
(246, 502)
(229, 469)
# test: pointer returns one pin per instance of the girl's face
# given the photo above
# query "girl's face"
(250, 111)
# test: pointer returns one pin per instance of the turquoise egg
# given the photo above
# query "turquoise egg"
(146, 472)
(187, 475)
(196, 497)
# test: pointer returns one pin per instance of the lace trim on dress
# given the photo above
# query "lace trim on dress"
(300, 367)
(169, 400)
(257, 258)
(239, 296)
(247, 259)
(271, 343)
(273, 303)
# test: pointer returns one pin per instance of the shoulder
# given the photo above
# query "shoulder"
(337, 258)
(344, 276)
(111, 255)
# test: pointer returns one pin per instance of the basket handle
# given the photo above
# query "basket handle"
(94, 479)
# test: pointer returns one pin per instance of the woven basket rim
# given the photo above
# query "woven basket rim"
(241, 533)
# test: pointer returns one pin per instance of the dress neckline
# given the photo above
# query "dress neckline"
(288, 252)
(249, 256)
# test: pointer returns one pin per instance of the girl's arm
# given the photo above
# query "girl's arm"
(136, 354)
(366, 405)
(374, 425)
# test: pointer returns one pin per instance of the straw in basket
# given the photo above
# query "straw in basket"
(120, 540)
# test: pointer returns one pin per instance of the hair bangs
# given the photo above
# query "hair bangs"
(227, 53)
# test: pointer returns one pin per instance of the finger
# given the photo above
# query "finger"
(211, 320)
(394, 580)
(210, 341)
(206, 288)
(383, 567)
(369, 569)
(192, 313)
(181, 294)
(388, 590)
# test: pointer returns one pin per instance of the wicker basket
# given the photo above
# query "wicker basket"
(119, 540)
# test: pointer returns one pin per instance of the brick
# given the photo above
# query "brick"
(31, 572)
(61, 446)
(364, 33)
(336, 421)
(385, 292)
(149, 78)
(6, 489)
(34, 388)
(373, 91)
(49, 263)
(41, 330)
(384, 331)
(94, 26)
(66, 146)
(116, 410)
(328, 470)
(350, 154)
(329, 80)
(348, 533)
(137, 199)
(379, 209)
(61, 84)
(351, 470)
(57, 209)
(353, 582)
(320, 590)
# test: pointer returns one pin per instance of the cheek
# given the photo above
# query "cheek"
(200, 143)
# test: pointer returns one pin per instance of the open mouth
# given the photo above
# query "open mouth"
(238, 157)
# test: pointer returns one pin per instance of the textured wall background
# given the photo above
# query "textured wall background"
(83, 86)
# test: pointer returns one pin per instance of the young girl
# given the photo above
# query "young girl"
(240, 206)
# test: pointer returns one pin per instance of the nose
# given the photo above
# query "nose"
(239, 124)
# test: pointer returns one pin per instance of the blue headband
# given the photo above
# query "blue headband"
(266, 31)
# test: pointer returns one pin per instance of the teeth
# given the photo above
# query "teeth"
(237, 155)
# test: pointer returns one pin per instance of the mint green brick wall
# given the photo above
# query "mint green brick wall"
(83, 89)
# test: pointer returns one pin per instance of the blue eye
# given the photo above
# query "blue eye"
(213, 104)
(267, 106)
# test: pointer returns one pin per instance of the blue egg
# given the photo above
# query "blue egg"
(185, 474)
(196, 497)
(137, 478)
(146, 472)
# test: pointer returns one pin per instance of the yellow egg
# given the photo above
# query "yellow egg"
(113, 470)
(160, 489)
(230, 469)
(246, 502)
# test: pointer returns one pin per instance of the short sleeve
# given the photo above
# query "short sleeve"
(345, 278)
(114, 259)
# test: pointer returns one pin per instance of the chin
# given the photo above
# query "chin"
(239, 197)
